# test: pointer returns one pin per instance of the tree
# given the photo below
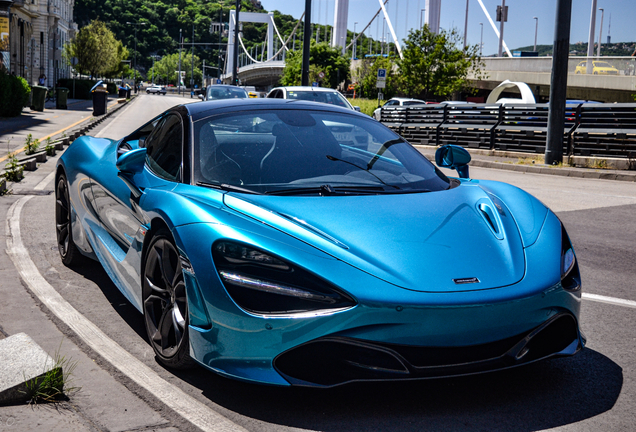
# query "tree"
(433, 65)
(165, 69)
(322, 58)
(367, 78)
(97, 51)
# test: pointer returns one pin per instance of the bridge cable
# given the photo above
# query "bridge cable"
(283, 42)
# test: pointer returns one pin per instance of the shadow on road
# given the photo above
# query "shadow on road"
(540, 396)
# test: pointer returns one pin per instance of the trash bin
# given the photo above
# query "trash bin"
(38, 97)
(61, 97)
(128, 90)
(100, 100)
(121, 92)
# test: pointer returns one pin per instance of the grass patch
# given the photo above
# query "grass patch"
(598, 164)
(56, 384)
(367, 106)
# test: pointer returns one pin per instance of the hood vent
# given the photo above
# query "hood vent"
(491, 218)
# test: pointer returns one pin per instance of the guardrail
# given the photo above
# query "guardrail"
(591, 129)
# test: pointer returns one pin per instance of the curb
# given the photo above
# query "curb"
(22, 361)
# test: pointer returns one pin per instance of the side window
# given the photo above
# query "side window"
(165, 147)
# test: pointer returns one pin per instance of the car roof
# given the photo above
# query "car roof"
(224, 86)
(204, 109)
(306, 88)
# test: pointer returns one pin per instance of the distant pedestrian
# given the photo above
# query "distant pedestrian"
(42, 80)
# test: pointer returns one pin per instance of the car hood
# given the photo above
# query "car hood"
(446, 241)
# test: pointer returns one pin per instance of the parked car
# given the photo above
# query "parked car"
(156, 89)
(598, 68)
(315, 94)
(258, 245)
(222, 91)
(397, 101)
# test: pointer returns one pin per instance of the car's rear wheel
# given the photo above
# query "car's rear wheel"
(165, 303)
(147, 92)
(63, 228)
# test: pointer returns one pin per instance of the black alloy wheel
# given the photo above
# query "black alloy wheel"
(63, 228)
(165, 303)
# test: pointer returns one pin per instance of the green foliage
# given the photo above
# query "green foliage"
(433, 65)
(13, 171)
(165, 70)
(53, 385)
(322, 58)
(367, 106)
(49, 147)
(366, 77)
(31, 145)
(97, 51)
(14, 94)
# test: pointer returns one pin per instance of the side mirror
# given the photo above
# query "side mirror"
(357, 108)
(201, 97)
(453, 157)
(132, 161)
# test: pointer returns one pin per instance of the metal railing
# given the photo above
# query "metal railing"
(591, 129)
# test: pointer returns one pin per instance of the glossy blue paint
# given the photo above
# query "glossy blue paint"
(397, 255)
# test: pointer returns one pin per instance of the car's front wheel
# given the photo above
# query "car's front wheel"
(147, 91)
(165, 302)
(63, 228)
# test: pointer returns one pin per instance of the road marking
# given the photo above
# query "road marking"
(609, 300)
(186, 406)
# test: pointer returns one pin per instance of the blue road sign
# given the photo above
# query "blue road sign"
(381, 73)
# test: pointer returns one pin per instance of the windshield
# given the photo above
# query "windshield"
(603, 64)
(308, 152)
(333, 98)
(226, 93)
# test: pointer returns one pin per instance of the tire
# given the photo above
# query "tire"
(147, 92)
(165, 303)
(69, 253)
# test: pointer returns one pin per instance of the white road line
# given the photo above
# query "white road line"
(187, 407)
(105, 128)
(609, 300)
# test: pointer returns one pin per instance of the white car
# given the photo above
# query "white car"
(315, 94)
(156, 89)
(396, 101)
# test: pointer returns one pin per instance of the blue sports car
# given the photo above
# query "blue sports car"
(295, 243)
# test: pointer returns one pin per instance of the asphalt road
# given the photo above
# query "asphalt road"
(593, 391)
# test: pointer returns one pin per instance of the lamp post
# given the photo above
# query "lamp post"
(355, 42)
(481, 38)
(421, 21)
(600, 33)
(154, 57)
(137, 24)
(536, 28)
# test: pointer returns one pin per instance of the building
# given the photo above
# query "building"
(38, 31)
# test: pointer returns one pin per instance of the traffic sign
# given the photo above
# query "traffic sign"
(381, 74)
(321, 75)
(380, 84)
(314, 84)
(218, 81)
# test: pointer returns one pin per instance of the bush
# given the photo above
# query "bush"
(83, 87)
(14, 94)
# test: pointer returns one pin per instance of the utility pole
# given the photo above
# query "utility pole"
(192, 62)
(466, 24)
(236, 44)
(558, 83)
(502, 16)
(306, 43)
(137, 24)
(179, 77)
(221, 27)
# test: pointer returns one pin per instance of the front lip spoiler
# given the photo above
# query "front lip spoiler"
(334, 361)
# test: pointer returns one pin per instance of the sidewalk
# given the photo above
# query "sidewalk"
(533, 163)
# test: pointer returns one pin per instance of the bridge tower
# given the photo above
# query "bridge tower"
(432, 14)
(340, 16)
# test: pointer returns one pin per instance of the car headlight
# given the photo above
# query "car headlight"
(570, 276)
(263, 284)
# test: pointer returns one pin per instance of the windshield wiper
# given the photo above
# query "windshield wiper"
(227, 187)
(333, 158)
(380, 152)
(328, 190)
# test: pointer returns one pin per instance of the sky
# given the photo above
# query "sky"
(519, 30)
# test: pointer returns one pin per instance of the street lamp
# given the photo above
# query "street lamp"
(481, 39)
(600, 32)
(136, 25)
(536, 27)
(154, 57)
(355, 42)
(421, 12)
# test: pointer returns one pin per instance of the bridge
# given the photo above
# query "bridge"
(616, 82)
